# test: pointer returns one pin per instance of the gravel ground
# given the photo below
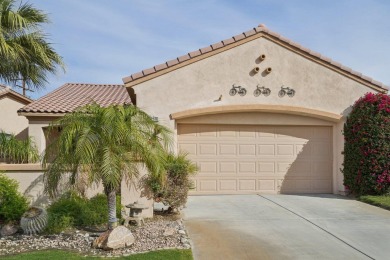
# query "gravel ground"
(161, 232)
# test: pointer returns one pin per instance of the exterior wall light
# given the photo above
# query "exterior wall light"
(286, 90)
(237, 89)
(155, 118)
(256, 69)
(268, 70)
(261, 90)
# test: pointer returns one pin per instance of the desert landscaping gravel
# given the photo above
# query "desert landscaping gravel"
(158, 233)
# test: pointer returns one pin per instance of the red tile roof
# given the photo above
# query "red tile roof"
(261, 29)
(5, 90)
(70, 96)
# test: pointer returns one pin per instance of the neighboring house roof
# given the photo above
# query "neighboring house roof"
(70, 96)
(7, 91)
(260, 31)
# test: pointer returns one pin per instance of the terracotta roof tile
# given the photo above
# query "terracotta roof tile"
(160, 66)
(260, 29)
(172, 62)
(184, 58)
(228, 41)
(347, 69)
(70, 96)
(217, 45)
(354, 72)
(148, 71)
(239, 37)
(249, 33)
(137, 75)
(193, 54)
(206, 49)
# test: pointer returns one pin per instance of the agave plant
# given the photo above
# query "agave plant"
(13, 150)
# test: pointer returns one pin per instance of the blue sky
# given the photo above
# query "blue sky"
(104, 41)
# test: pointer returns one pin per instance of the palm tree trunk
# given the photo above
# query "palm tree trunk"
(112, 220)
(24, 87)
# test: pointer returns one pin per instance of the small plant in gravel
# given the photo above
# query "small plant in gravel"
(173, 190)
(12, 203)
(72, 210)
(367, 146)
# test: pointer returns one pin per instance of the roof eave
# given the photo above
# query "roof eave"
(40, 114)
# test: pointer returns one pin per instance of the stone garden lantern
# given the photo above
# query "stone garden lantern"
(135, 213)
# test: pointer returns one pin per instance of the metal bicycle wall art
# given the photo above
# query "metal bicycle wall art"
(237, 89)
(261, 90)
(286, 90)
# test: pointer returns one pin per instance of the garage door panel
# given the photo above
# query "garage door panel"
(247, 185)
(207, 149)
(228, 167)
(207, 167)
(207, 185)
(266, 185)
(207, 131)
(285, 150)
(266, 149)
(227, 149)
(266, 167)
(191, 149)
(249, 159)
(228, 185)
(247, 167)
(246, 149)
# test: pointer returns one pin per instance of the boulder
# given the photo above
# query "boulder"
(169, 232)
(119, 237)
(8, 230)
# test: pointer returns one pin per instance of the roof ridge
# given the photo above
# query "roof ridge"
(261, 28)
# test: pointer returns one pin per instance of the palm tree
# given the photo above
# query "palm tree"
(26, 55)
(104, 145)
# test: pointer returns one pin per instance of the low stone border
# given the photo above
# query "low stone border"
(158, 233)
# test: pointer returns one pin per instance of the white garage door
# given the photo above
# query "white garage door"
(241, 159)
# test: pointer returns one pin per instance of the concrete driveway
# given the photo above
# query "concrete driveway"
(286, 227)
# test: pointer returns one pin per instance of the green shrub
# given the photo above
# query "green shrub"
(367, 146)
(72, 210)
(13, 150)
(173, 190)
(12, 203)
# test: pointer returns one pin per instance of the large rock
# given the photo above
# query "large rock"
(119, 237)
(8, 230)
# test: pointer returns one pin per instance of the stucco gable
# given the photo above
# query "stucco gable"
(259, 32)
(9, 93)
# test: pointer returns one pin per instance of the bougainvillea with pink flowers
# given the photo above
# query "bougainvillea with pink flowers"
(367, 146)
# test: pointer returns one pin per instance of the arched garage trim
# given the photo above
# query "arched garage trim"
(293, 110)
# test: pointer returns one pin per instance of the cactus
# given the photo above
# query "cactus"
(34, 220)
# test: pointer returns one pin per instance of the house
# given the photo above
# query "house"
(44, 111)
(257, 112)
(10, 102)
(64, 100)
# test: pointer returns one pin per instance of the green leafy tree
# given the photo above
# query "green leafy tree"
(104, 145)
(26, 55)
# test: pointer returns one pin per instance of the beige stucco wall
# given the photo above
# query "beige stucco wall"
(200, 84)
(10, 122)
(31, 185)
